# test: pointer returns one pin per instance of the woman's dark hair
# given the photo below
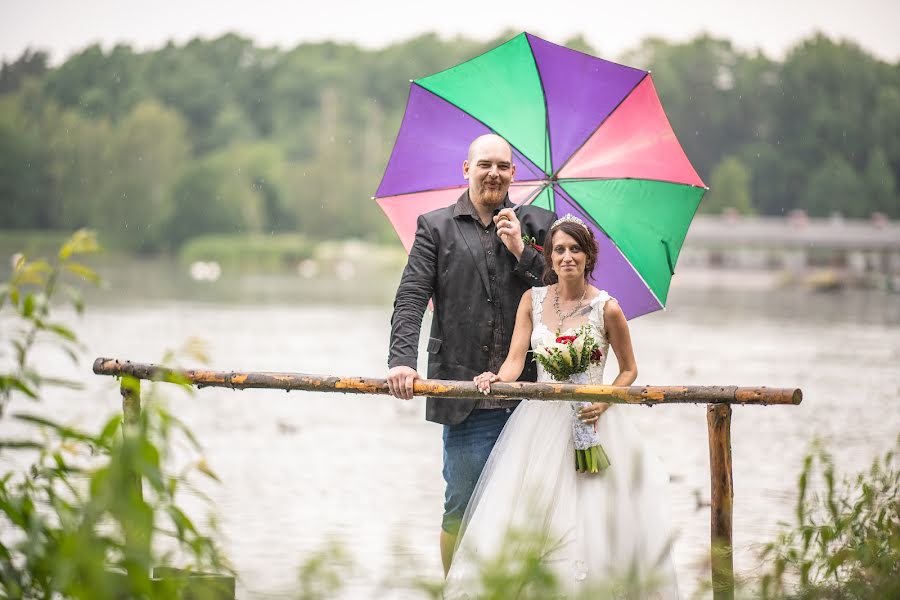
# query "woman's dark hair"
(585, 239)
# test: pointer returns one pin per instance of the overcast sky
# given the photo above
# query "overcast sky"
(66, 26)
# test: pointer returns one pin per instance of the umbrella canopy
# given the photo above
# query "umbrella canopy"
(589, 138)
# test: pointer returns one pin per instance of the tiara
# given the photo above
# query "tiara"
(569, 218)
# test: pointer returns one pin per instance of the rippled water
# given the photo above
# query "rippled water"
(299, 469)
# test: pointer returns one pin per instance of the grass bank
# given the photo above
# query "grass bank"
(294, 252)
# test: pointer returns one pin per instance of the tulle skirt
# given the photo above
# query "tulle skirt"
(600, 535)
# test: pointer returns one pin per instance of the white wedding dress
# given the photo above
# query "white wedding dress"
(597, 533)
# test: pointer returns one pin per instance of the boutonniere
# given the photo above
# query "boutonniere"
(530, 241)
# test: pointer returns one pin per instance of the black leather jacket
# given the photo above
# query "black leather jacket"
(447, 262)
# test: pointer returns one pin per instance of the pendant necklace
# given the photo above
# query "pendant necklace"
(562, 317)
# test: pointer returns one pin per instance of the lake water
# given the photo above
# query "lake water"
(301, 469)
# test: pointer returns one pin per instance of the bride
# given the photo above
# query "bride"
(599, 534)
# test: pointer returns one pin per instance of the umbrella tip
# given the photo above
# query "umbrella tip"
(372, 198)
(411, 80)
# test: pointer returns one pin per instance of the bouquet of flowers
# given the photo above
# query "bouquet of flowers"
(568, 355)
(564, 357)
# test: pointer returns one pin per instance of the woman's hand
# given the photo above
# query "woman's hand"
(590, 414)
(483, 382)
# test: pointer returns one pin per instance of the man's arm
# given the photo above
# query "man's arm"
(530, 267)
(415, 289)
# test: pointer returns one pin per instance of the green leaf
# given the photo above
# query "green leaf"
(204, 468)
(14, 383)
(64, 383)
(75, 298)
(32, 273)
(83, 241)
(112, 427)
(70, 352)
(63, 431)
(181, 521)
(62, 331)
(28, 306)
(83, 272)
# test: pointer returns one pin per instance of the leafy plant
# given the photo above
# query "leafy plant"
(31, 286)
(93, 513)
(846, 541)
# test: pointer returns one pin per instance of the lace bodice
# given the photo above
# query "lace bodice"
(540, 331)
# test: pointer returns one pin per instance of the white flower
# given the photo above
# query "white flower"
(563, 351)
(543, 351)
(578, 344)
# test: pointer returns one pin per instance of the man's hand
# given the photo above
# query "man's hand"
(510, 231)
(400, 381)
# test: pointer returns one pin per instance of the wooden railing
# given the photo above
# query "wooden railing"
(718, 418)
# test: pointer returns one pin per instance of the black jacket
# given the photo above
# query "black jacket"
(447, 262)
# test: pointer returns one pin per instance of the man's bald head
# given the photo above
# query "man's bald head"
(489, 170)
(487, 138)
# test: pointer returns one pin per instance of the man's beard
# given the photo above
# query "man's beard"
(491, 197)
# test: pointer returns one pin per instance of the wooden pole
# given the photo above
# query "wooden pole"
(452, 390)
(718, 420)
(130, 389)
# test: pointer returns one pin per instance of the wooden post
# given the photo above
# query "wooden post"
(718, 420)
(130, 389)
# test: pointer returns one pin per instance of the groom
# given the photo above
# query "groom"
(470, 258)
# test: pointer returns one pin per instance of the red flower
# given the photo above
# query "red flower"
(565, 339)
(538, 248)
(596, 355)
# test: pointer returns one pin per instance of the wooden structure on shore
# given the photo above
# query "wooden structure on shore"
(860, 249)
(717, 398)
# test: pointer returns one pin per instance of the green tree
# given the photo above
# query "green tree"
(885, 124)
(835, 187)
(773, 178)
(327, 114)
(23, 180)
(80, 150)
(729, 188)
(828, 92)
(262, 165)
(216, 195)
(146, 156)
(32, 63)
(881, 186)
(99, 84)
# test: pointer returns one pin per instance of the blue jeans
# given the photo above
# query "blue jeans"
(467, 447)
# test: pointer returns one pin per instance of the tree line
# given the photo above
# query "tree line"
(218, 136)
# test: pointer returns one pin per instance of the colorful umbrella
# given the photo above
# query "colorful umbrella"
(589, 138)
